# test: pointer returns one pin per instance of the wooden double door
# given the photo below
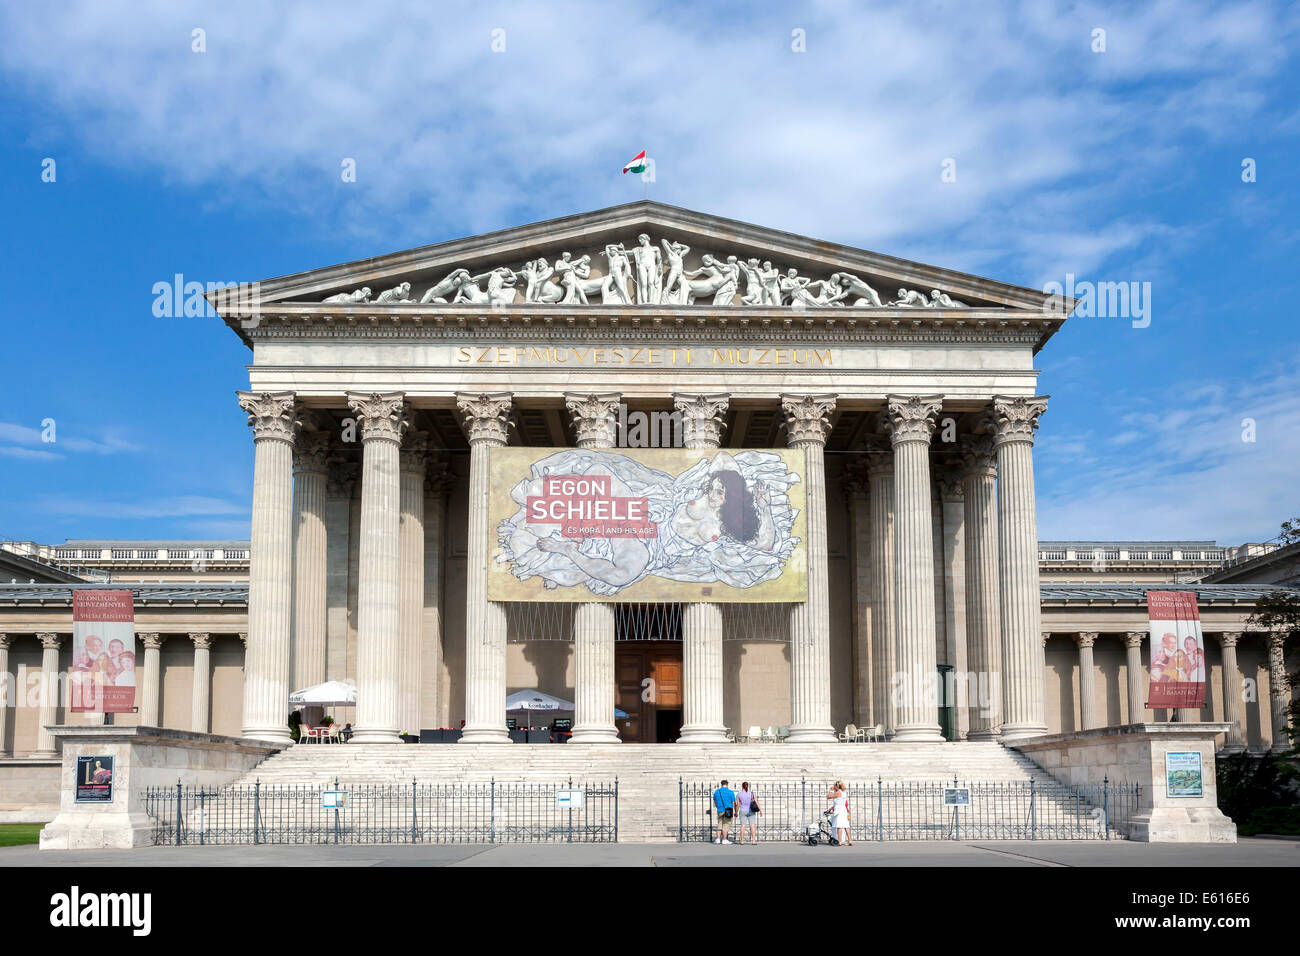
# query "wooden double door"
(649, 690)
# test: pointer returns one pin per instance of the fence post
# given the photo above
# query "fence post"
(1033, 813)
(570, 802)
(203, 816)
(178, 811)
(1105, 804)
(956, 814)
(257, 810)
(803, 809)
(681, 823)
(616, 809)
(414, 799)
(492, 813)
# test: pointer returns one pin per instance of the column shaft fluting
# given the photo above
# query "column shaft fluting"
(807, 426)
(270, 573)
(703, 716)
(1087, 680)
(151, 680)
(883, 625)
(1024, 687)
(1137, 678)
(410, 627)
(983, 620)
(594, 421)
(381, 420)
(201, 695)
(309, 568)
(910, 421)
(864, 692)
(1232, 691)
(7, 691)
(48, 713)
(486, 421)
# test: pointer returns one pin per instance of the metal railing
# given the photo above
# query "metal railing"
(491, 812)
(916, 811)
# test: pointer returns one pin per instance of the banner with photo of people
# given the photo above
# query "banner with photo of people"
(1177, 650)
(102, 675)
(661, 524)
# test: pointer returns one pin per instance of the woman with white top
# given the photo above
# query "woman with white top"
(840, 814)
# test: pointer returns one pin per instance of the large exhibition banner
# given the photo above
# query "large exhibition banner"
(649, 524)
(1177, 650)
(102, 675)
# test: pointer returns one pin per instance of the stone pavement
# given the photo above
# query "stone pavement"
(1247, 853)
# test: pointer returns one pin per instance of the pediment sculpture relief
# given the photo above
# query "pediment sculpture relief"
(649, 274)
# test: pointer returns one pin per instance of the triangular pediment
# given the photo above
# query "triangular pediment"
(686, 258)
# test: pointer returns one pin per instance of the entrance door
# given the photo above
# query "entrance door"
(649, 690)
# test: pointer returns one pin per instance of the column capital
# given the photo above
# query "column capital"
(311, 453)
(950, 478)
(487, 416)
(151, 639)
(1228, 638)
(49, 639)
(243, 638)
(271, 415)
(381, 415)
(1086, 638)
(910, 417)
(438, 479)
(807, 418)
(595, 417)
(880, 460)
(702, 417)
(1046, 635)
(6, 641)
(1276, 640)
(855, 479)
(415, 454)
(979, 456)
(342, 479)
(1015, 419)
(1134, 638)
(201, 640)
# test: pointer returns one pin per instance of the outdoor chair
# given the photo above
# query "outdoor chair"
(755, 733)
(876, 732)
(852, 734)
(771, 736)
(782, 734)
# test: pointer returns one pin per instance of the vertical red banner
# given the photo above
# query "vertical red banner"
(1177, 661)
(102, 676)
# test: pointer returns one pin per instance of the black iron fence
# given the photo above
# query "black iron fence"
(950, 810)
(491, 812)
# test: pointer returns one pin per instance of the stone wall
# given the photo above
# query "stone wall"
(29, 790)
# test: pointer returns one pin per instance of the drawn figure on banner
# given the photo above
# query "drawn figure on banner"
(726, 519)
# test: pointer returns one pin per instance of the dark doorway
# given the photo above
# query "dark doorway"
(668, 725)
(649, 690)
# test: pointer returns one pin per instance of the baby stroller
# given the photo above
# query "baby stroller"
(822, 831)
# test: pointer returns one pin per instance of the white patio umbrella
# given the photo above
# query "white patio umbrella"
(522, 701)
(332, 693)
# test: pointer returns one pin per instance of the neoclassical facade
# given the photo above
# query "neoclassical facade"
(378, 389)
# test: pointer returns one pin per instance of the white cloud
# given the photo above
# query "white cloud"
(24, 435)
(181, 506)
(1187, 467)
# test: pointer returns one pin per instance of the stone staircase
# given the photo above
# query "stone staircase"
(647, 773)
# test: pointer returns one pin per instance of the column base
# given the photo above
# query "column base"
(272, 735)
(43, 754)
(984, 735)
(594, 735)
(485, 735)
(703, 735)
(920, 734)
(1022, 731)
(375, 737)
(812, 735)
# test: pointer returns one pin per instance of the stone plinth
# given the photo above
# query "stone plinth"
(29, 789)
(142, 757)
(1135, 753)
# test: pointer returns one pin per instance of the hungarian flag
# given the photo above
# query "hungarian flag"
(637, 165)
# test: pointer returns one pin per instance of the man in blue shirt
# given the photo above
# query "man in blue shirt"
(724, 801)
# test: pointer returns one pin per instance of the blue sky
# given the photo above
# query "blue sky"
(224, 165)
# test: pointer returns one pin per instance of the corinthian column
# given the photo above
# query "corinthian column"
(487, 418)
(880, 472)
(202, 692)
(151, 679)
(274, 420)
(807, 424)
(432, 705)
(856, 486)
(910, 423)
(983, 621)
(1137, 682)
(1087, 683)
(49, 708)
(309, 478)
(702, 714)
(6, 692)
(382, 418)
(1024, 691)
(595, 421)
(1231, 691)
(410, 626)
(1279, 690)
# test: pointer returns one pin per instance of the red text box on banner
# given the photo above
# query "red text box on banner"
(1177, 656)
(102, 675)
